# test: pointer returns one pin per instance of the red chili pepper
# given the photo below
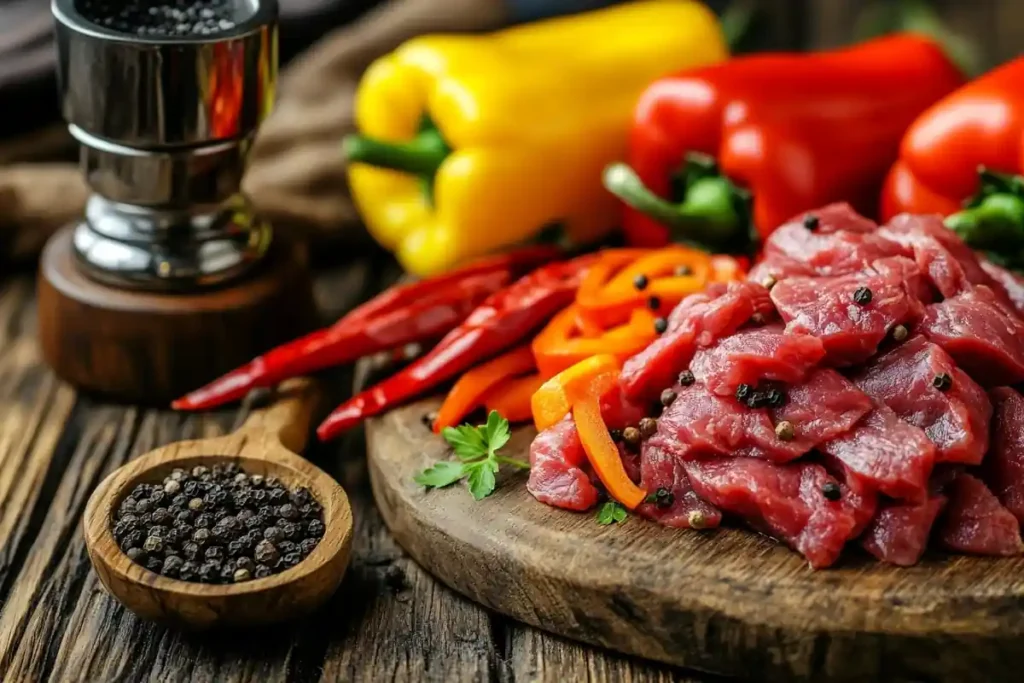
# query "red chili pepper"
(501, 322)
(767, 137)
(414, 312)
(980, 127)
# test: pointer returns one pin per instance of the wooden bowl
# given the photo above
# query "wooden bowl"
(263, 445)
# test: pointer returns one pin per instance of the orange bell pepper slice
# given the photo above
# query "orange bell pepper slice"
(563, 342)
(511, 397)
(578, 390)
(469, 391)
(609, 293)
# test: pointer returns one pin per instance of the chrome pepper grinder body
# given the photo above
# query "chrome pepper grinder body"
(169, 278)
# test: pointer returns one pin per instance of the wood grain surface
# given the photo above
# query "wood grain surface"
(389, 621)
(727, 601)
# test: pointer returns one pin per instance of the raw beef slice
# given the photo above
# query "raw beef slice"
(975, 522)
(793, 250)
(785, 501)
(701, 322)
(899, 533)
(980, 335)
(955, 418)
(661, 467)
(883, 453)
(823, 407)
(949, 263)
(1004, 465)
(756, 354)
(827, 309)
(557, 476)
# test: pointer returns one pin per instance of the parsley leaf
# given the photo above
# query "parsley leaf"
(611, 512)
(481, 479)
(497, 432)
(443, 473)
(467, 441)
(477, 451)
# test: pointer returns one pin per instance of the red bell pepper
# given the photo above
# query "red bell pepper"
(968, 148)
(718, 151)
(502, 321)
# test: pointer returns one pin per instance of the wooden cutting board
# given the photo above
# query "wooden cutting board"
(726, 601)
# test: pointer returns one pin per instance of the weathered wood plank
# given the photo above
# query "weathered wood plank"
(538, 656)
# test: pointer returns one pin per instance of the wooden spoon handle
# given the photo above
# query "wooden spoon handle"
(287, 420)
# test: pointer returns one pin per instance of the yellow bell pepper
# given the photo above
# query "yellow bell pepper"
(469, 144)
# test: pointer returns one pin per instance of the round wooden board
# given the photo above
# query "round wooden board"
(726, 601)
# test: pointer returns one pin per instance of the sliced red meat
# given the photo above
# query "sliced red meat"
(949, 263)
(785, 501)
(956, 418)
(823, 407)
(661, 467)
(899, 533)
(1004, 465)
(975, 522)
(1010, 283)
(980, 335)
(793, 250)
(828, 308)
(702, 322)
(557, 475)
(618, 412)
(756, 354)
(705, 424)
(883, 453)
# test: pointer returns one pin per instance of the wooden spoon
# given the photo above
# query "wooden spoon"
(265, 444)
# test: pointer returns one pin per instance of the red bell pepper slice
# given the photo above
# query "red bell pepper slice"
(795, 131)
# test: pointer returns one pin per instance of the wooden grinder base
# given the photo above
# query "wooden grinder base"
(151, 348)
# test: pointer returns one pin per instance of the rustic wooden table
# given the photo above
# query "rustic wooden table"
(389, 621)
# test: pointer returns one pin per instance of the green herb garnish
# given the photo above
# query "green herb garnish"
(478, 459)
(611, 513)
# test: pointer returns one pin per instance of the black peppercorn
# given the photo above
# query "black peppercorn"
(207, 530)
(616, 435)
(831, 491)
(743, 392)
(811, 222)
(667, 397)
(653, 303)
(172, 564)
(686, 378)
(660, 325)
(776, 398)
(640, 282)
(899, 333)
(943, 381)
(648, 427)
(862, 296)
(662, 497)
(261, 571)
(242, 575)
(630, 436)
(265, 552)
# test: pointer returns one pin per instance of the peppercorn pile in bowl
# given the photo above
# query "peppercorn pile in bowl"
(217, 525)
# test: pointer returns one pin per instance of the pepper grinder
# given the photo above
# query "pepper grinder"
(169, 279)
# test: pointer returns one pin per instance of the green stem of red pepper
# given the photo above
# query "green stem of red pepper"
(505, 319)
(993, 219)
(707, 217)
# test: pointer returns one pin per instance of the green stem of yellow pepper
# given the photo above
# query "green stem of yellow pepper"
(421, 156)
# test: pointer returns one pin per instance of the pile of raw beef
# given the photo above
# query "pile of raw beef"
(856, 388)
